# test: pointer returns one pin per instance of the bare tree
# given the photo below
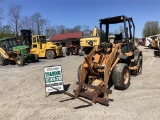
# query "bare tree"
(85, 28)
(14, 14)
(60, 29)
(151, 28)
(38, 23)
(50, 31)
(26, 23)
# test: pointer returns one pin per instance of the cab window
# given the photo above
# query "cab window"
(42, 39)
(34, 39)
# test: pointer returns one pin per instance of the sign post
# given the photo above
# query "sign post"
(53, 78)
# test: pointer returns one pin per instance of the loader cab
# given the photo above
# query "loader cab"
(124, 33)
(38, 41)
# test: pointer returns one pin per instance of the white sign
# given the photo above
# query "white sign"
(53, 77)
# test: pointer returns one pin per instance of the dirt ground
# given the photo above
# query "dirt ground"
(22, 93)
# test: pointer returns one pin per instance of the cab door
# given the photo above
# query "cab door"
(35, 45)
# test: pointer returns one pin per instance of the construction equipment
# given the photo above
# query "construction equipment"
(157, 52)
(41, 47)
(11, 52)
(73, 49)
(153, 41)
(87, 43)
(109, 62)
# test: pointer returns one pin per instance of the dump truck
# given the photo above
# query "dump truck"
(40, 46)
(13, 53)
(109, 62)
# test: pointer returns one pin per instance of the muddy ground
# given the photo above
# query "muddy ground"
(22, 94)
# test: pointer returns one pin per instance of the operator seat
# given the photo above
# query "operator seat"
(118, 38)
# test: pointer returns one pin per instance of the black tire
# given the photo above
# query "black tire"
(72, 51)
(79, 72)
(157, 53)
(139, 66)
(121, 76)
(50, 54)
(68, 52)
(76, 51)
(81, 52)
(2, 61)
(78, 75)
(20, 61)
(35, 58)
(12, 62)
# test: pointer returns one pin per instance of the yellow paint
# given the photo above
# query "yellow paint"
(41, 47)
(3, 53)
(84, 41)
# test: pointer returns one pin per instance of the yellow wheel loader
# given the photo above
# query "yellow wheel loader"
(40, 46)
(45, 49)
(109, 62)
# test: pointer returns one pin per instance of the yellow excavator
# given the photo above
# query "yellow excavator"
(87, 43)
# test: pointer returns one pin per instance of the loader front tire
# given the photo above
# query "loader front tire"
(121, 76)
(79, 72)
(50, 54)
(78, 75)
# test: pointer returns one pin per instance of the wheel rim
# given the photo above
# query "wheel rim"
(126, 76)
(49, 55)
(19, 61)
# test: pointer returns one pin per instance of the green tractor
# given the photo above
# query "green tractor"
(12, 53)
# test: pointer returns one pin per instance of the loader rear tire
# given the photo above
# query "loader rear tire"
(121, 76)
(50, 54)
(139, 66)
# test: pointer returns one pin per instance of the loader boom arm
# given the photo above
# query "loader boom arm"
(3, 54)
(109, 62)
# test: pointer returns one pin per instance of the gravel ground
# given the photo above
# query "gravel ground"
(22, 93)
